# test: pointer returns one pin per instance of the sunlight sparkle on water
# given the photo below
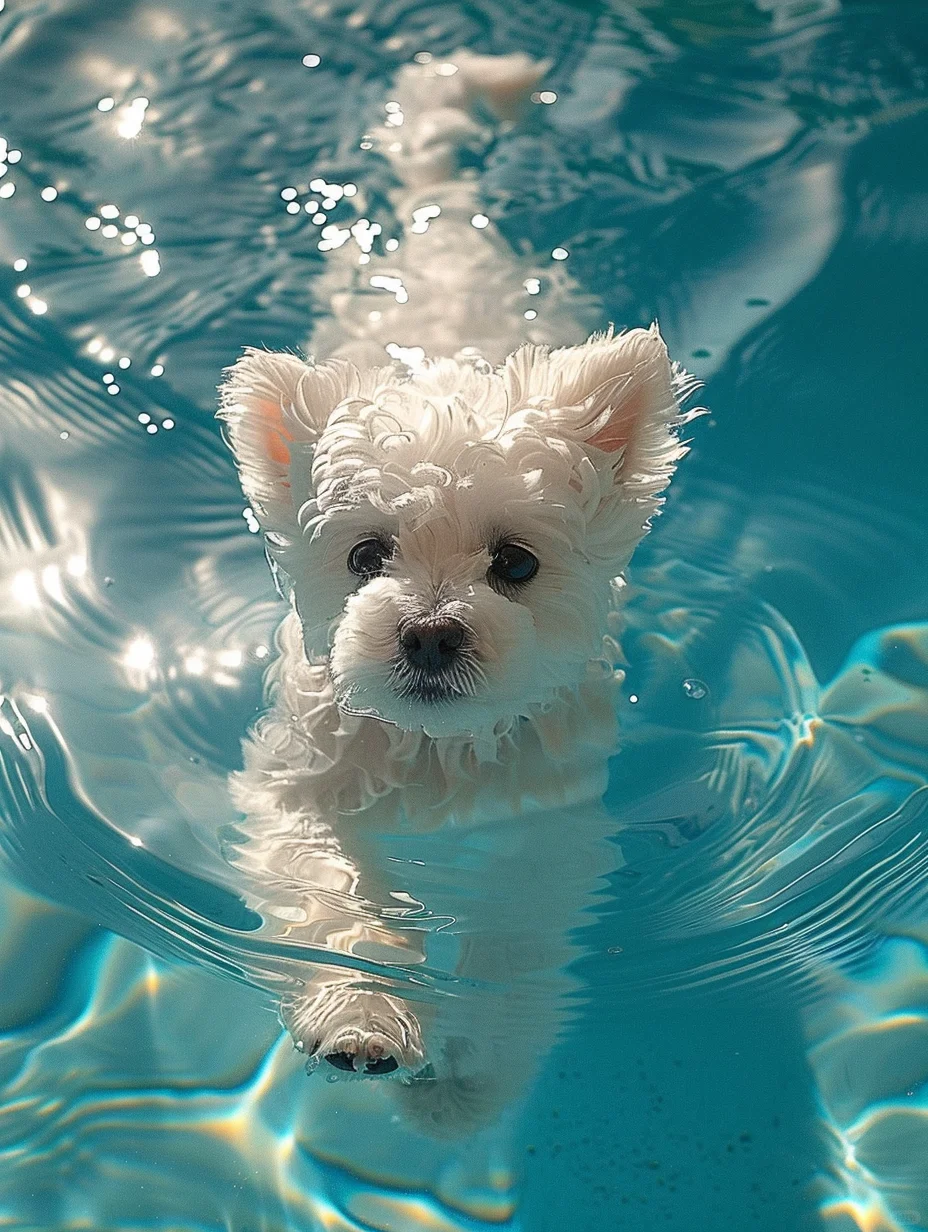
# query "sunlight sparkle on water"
(25, 590)
(387, 283)
(140, 654)
(150, 263)
(131, 118)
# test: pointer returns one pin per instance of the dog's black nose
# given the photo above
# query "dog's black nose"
(432, 645)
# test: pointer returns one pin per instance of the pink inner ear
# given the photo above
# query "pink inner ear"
(619, 428)
(275, 436)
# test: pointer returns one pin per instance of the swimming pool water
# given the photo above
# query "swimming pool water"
(745, 1044)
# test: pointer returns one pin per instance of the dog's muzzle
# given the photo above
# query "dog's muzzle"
(435, 662)
(432, 646)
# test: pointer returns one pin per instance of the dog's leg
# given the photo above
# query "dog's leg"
(320, 897)
(340, 1016)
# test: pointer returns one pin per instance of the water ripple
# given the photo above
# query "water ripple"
(742, 171)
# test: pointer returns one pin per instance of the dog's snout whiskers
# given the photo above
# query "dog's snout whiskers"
(435, 659)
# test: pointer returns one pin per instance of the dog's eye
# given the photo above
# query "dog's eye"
(513, 564)
(366, 559)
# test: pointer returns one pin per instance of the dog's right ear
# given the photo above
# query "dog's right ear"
(276, 406)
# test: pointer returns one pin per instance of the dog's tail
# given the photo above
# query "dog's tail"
(452, 286)
(444, 107)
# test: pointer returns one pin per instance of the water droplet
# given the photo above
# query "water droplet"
(695, 689)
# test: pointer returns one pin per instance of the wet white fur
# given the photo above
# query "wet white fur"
(484, 435)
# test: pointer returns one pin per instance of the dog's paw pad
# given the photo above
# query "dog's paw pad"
(370, 1056)
(358, 1032)
(352, 1063)
(342, 1060)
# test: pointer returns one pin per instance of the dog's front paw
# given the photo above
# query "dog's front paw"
(357, 1031)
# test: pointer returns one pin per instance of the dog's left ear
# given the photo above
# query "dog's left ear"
(276, 406)
(616, 393)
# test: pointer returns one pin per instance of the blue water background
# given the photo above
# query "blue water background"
(750, 1051)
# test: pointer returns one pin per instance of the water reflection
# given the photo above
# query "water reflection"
(769, 831)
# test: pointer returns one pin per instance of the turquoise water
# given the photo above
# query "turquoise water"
(745, 1041)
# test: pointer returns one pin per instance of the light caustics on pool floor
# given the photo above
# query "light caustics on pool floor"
(125, 1068)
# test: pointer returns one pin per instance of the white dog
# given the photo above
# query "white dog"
(451, 534)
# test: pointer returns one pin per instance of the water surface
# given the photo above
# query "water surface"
(745, 1045)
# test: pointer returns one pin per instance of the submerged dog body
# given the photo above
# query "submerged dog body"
(450, 528)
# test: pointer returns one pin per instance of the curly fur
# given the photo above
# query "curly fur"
(490, 438)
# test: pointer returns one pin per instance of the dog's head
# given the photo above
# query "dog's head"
(452, 535)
